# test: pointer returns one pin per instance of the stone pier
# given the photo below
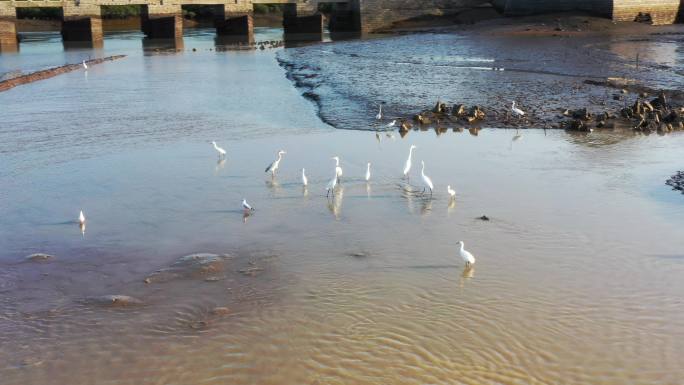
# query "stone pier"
(160, 21)
(235, 19)
(302, 18)
(81, 22)
(8, 29)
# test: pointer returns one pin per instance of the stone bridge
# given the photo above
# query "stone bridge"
(163, 18)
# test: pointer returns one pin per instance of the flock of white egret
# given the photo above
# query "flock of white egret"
(334, 182)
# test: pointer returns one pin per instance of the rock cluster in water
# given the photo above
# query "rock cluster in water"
(644, 116)
(677, 181)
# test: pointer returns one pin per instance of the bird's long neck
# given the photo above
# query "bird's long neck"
(410, 154)
(337, 162)
(422, 170)
(280, 156)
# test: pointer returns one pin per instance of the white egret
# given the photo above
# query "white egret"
(246, 205)
(85, 66)
(81, 218)
(426, 179)
(221, 151)
(379, 115)
(276, 163)
(465, 254)
(407, 167)
(517, 111)
(305, 181)
(331, 186)
(338, 169)
(368, 172)
(392, 123)
(452, 192)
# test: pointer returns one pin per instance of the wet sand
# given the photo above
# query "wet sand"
(578, 273)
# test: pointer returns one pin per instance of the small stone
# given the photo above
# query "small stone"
(39, 257)
(483, 218)
(220, 311)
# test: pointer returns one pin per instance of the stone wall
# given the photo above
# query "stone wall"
(661, 11)
(378, 14)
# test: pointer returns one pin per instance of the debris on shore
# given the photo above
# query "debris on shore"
(51, 72)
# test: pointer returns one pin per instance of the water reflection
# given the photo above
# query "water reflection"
(335, 202)
(162, 45)
(220, 164)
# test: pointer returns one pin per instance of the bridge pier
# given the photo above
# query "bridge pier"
(162, 21)
(345, 17)
(302, 18)
(236, 20)
(81, 22)
(8, 29)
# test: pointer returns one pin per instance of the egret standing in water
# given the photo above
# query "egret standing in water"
(338, 169)
(452, 193)
(465, 254)
(221, 151)
(246, 205)
(426, 179)
(379, 115)
(331, 186)
(368, 172)
(85, 66)
(517, 112)
(273, 167)
(407, 167)
(305, 181)
(392, 123)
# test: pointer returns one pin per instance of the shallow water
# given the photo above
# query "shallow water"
(578, 273)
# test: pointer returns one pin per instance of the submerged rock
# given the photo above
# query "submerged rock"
(39, 257)
(198, 265)
(115, 300)
(677, 182)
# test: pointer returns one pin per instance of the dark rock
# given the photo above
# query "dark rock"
(578, 125)
(582, 114)
(439, 108)
(459, 110)
(483, 218)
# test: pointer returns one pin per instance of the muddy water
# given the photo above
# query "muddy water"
(578, 273)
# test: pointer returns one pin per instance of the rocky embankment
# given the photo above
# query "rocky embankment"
(51, 72)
